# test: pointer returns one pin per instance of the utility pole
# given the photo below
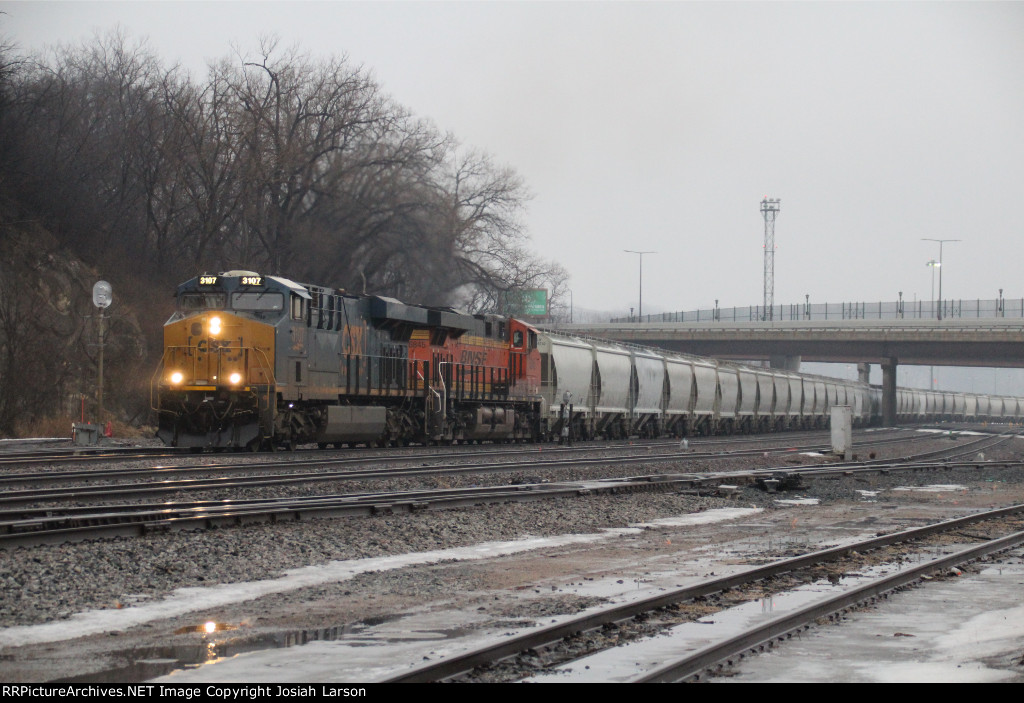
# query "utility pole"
(769, 210)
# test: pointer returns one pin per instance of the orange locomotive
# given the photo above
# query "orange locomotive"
(253, 361)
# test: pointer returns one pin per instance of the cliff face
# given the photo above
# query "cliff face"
(49, 335)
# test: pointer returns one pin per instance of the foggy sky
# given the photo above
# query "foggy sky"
(660, 126)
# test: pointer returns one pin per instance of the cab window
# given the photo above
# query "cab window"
(517, 339)
(202, 301)
(257, 301)
(297, 305)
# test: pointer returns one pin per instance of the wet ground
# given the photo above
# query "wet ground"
(363, 619)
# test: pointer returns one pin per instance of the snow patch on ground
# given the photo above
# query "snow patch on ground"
(186, 600)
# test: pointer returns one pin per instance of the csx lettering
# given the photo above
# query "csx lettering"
(212, 345)
(473, 358)
(353, 341)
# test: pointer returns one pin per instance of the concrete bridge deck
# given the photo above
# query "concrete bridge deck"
(958, 342)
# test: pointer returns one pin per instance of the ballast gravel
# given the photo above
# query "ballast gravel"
(46, 583)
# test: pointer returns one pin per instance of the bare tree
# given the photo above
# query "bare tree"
(274, 162)
(294, 118)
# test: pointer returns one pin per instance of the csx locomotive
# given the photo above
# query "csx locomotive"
(253, 361)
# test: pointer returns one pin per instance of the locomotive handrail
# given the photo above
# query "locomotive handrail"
(153, 382)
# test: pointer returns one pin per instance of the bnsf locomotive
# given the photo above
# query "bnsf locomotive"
(254, 361)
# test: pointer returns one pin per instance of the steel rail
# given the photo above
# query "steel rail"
(694, 480)
(55, 476)
(25, 497)
(41, 530)
(17, 519)
(88, 455)
(47, 525)
(781, 628)
(511, 646)
(505, 451)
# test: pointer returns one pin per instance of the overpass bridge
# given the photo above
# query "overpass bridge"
(957, 342)
(996, 341)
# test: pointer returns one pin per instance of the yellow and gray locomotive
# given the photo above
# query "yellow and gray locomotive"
(254, 361)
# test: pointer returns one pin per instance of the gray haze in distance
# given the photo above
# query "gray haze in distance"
(660, 126)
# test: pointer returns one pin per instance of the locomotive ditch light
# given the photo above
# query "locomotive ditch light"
(214, 325)
(177, 377)
(235, 378)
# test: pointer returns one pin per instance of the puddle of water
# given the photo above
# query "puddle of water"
(151, 662)
(148, 662)
(206, 628)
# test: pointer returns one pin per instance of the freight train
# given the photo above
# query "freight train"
(254, 361)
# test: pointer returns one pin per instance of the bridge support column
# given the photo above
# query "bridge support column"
(889, 392)
(786, 363)
(864, 372)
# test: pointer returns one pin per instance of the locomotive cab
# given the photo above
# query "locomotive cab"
(215, 386)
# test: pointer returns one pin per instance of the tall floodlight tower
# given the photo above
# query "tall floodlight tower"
(769, 210)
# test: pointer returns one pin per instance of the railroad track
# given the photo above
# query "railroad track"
(84, 480)
(31, 526)
(563, 643)
(83, 455)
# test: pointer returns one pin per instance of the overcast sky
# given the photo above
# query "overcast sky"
(660, 126)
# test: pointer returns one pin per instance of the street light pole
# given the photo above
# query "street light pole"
(941, 242)
(932, 263)
(640, 306)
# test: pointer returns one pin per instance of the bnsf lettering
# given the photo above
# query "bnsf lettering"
(473, 358)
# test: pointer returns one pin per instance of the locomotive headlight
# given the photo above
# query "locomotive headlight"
(177, 377)
(235, 378)
(214, 325)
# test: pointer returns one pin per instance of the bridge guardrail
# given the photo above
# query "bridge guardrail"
(893, 310)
